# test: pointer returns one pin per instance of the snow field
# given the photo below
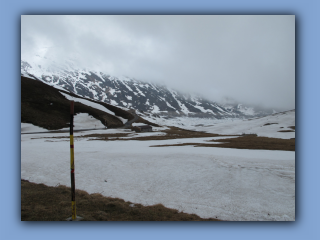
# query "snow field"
(235, 126)
(258, 126)
(230, 184)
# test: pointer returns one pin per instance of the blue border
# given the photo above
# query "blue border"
(306, 225)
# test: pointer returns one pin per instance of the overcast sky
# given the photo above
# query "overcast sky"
(250, 59)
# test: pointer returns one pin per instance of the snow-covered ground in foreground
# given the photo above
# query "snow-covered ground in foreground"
(276, 122)
(230, 184)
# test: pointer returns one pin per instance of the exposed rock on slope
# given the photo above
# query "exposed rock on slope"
(44, 106)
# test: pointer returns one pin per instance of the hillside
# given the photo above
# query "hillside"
(45, 106)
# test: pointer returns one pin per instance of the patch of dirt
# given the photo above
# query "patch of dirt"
(246, 142)
(172, 133)
(269, 124)
(107, 135)
(292, 127)
(43, 203)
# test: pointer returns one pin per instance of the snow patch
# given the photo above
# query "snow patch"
(88, 103)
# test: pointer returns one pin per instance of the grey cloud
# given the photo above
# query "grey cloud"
(248, 58)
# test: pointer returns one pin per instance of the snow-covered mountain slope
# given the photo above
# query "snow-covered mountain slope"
(130, 93)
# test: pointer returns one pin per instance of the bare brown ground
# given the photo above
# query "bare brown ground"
(292, 127)
(241, 142)
(250, 141)
(104, 136)
(246, 142)
(172, 133)
(42, 203)
(107, 136)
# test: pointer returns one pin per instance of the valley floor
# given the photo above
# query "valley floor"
(212, 182)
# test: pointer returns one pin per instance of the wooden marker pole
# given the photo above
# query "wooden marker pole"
(74, 216)
(73, 195)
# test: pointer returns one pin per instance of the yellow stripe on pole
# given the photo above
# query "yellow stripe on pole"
(74, 215)
(72, 159)
(71, 139)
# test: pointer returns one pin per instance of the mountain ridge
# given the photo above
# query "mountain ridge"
(130, 93)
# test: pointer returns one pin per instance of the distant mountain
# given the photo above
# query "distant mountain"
(148, 98)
